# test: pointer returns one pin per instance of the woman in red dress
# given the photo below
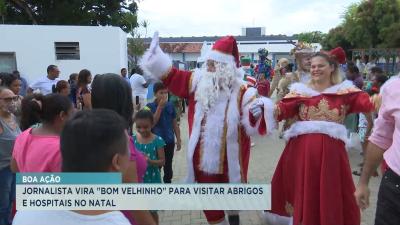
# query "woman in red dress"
(312, 184)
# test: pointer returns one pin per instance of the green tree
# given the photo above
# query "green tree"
(356, 29)
(310, 37)
(3, 10)
(72, 12)
(389, 23)
(372, 24)
(367, 24)
(335, 38)
(136, 46)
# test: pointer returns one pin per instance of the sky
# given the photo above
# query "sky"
(176, 18)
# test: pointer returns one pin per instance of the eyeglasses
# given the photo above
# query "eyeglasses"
(9, 99)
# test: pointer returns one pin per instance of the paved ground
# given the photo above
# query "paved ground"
(264, 157)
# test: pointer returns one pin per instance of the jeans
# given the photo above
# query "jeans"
(169, 154)
(388, 205)
(7, 195)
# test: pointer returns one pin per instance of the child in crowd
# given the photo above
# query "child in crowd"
(263, 85)
(73, 81)
(38, 149)
(152, 146)
(62, 87)
(92, 141)
(110, 91)
(165, 126)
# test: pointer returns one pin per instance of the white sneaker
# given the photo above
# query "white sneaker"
(252, 144)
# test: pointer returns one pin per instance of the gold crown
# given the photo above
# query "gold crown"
(302, 47)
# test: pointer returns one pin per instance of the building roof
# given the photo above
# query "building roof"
(214, 38)
(181, 47)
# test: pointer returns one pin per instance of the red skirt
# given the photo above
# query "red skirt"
(313, 182)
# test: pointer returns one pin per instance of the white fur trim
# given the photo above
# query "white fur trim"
(247, 102)
(224, 222)
(232, 142)
(249, 98)
(193, 139)
(212, 137)
(269, 114)
(220, 57)
(233, 118)
(334, 130)
(213, 133)
(155, 64)
(305, 90)
(195, 79)
(275, 219)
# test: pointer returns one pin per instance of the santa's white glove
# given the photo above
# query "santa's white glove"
(155, 63)
(256, 109)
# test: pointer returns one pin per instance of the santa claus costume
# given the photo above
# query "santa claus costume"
(312, 183)
(220, 115)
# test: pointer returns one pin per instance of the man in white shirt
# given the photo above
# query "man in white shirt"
(124, 74)
(45, 84)
(139, 88)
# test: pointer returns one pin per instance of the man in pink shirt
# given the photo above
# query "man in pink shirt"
(384, 143)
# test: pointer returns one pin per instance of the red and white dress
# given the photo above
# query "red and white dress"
(312, 182)
(219, 139)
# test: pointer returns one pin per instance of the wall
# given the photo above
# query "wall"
(188, 56)
(102, 49)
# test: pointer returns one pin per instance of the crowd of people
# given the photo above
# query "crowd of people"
(33, 120)
(105, 124)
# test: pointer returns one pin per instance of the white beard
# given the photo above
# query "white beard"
(212, 85)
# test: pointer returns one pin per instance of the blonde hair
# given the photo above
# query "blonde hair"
(282, 61)
(336, 78)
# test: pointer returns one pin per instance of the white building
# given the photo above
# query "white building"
(31, 48)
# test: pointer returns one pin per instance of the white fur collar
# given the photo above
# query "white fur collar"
(213, 132)
(306, 90)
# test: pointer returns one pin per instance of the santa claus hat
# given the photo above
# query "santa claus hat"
(225, 50)
(338, 54)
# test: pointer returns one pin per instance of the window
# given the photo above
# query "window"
(8, 62)
(67, 50)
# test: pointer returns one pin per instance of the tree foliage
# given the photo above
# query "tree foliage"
(335, 38)
(136, 45)
(71, 12)
(310, 37)
(368, 24)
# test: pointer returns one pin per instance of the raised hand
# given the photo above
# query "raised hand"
(154, 45)
(154, 62)
(163, 101)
